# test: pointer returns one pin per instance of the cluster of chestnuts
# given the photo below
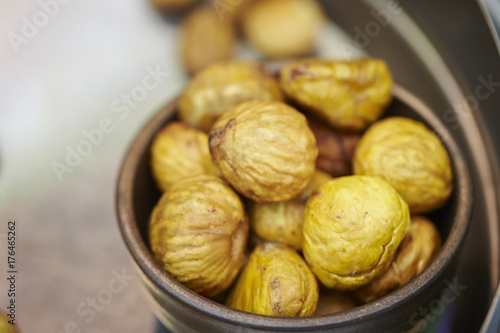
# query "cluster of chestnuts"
(211, 31)
(288, 196)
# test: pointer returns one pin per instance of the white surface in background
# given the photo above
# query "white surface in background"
(62, 82)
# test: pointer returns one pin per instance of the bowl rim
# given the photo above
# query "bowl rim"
(145, 261)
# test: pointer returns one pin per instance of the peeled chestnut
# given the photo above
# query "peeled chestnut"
(353, 226)
(275, 282)
(264, 149)
(198, 233)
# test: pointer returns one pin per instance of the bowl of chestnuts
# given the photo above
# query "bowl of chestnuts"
(318, 197)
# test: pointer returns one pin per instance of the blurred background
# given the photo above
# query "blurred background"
(74, 72)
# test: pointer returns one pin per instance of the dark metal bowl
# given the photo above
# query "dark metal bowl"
(182, 310)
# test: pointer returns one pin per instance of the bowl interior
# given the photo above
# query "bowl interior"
(137, 195)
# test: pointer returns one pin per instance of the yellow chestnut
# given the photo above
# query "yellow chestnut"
(222, 85)
(279, 222)
(5, 326)
(348, 94)
(275, 282)
(353, 226)
(198, 233)
(206, 39)
(264, 149)
(179, 151)
(411, 158)
(283, 28)
(282, 222)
